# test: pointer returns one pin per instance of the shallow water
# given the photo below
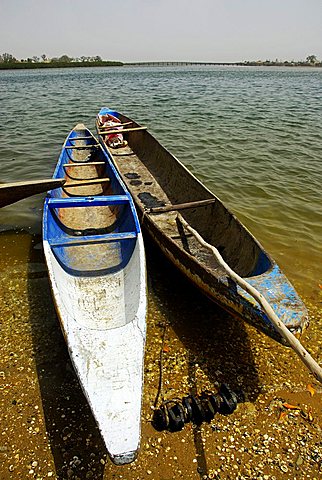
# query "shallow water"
(252, 135)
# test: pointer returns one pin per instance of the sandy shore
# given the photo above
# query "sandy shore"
(47, 430)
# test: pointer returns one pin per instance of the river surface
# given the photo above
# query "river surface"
(252, 135)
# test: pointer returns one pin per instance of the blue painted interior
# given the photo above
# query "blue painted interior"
(108, 111)
(124, 231)
(280, 294)
(263, 264)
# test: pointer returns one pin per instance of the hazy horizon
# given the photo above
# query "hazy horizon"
(147, 30)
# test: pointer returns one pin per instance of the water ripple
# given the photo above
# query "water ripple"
(253, 136)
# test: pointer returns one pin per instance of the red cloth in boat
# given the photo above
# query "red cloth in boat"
(115, 139)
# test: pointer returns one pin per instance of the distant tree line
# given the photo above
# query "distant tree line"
(310, 61)
(9, 61)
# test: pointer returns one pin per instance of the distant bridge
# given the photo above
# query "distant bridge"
(258, 63)
(166, 64)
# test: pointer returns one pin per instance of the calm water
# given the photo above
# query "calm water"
(253, 136)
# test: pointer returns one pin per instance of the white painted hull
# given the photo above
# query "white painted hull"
(103, 321)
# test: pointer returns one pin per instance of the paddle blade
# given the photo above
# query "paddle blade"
(13, 192)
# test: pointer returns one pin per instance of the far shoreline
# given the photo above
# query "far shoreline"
(46, 65)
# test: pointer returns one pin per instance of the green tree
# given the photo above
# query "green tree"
(311, 59)
(7, 58)
(65, 59)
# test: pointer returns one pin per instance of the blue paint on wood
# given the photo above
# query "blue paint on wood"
(123, 237)
(69, 241)
(100, 201)
(280, 294)
(108, 111)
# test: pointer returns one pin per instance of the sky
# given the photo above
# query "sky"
(163, 30)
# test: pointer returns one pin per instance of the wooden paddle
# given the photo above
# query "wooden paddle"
(291, 339)
(13, 192)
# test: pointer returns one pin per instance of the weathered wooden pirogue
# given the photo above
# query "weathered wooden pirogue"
(159, 183)
(95, 257)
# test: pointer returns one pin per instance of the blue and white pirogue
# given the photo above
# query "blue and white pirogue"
(95, 257)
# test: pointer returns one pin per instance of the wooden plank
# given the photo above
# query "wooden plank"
(83, 164)
(179, 237)
(100, 126)
(75, 241)
(124, 130)
(86, 182)
(125, 154)
(82, 138)
(180, 206)
(81, 147)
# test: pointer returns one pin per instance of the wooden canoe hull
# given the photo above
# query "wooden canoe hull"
(154, 178)
(95, 258)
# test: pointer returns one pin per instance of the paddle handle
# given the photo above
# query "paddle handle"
(13, 192)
